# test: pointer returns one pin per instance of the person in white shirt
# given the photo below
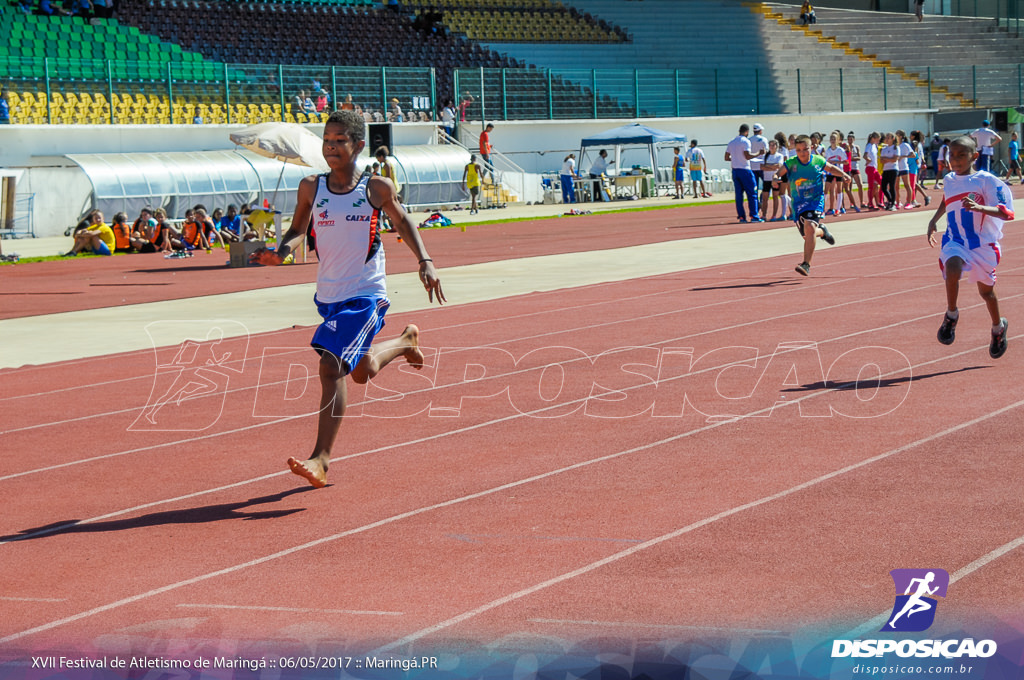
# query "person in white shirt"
(568, 177)
(738, 153)
(976, 205)
(772, 162)
(889, 157)
(875, 197)
(448, 114)
(344, 207)
(597, 171)
(758, 145)
(942, 163)
(903, 169)
(986, 139)
(836, 155)
(786, 148)
(855, 158)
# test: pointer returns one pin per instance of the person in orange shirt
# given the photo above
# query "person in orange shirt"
(486, 148)
(209, 229)
(191, 236)
(125, 238)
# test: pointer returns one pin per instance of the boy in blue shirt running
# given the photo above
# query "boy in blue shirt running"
(806, 176)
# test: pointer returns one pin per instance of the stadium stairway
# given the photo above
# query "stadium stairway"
(916, 50)
(820, 57)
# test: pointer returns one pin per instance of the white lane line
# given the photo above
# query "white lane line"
(503, 375)
(305, 350)
(299, 610)
(659, 626)
(629, 552)
(470, 323)
(450, 433)
(32, 599)
(505, 487)
(876, 623)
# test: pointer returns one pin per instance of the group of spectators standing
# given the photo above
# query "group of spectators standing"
(152, 232)
(894, 164)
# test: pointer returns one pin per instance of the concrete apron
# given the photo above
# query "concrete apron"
(77, 335)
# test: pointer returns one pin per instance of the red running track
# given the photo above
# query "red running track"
(576, 489)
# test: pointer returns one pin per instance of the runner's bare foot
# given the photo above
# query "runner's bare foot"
(412, 354)
(311, 470)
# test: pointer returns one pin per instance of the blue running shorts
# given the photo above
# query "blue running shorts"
(349, 327)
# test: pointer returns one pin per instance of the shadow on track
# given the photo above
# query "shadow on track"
(201, 515)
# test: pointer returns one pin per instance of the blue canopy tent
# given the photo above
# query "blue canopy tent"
(634, 134)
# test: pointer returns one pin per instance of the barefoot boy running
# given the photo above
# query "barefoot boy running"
(344, 207)
(976, 204)
(806, 176)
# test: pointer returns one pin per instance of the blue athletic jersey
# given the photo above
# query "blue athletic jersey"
(806, 184)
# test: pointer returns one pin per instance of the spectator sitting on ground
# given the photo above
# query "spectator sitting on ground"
(231, 226)
(210, 231)
(191, 235)
(164, 234)
(146, 231)
(807, 13)
(97, 238)
(123, 241)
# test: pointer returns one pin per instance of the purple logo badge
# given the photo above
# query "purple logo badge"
(914, 610)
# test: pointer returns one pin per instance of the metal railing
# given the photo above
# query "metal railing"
(22, 226)
(247, 93)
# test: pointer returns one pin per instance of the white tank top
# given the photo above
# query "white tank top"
(347, 231)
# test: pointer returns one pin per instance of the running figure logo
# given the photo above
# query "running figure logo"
(194, 367)
(914, 610)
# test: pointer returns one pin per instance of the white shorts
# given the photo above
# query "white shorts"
(979, 264)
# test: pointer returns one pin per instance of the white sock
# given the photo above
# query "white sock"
(998, 327)
(954, 315)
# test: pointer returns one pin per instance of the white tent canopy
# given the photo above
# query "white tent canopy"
(634, 134)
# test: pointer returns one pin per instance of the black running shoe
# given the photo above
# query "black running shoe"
(998, 346)
(803, 268)
(827, 236)
(947, 331)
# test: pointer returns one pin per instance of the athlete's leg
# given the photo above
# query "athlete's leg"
(811, 233)
(953, 269)
(383, 353)
(332, 408)
(988, 294)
